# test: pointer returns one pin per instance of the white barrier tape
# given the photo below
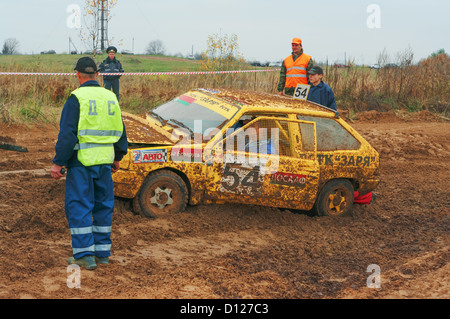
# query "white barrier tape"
(146, 73)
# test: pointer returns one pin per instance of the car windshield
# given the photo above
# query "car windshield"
(186, 113)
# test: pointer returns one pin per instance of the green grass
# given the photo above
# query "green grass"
(40, 98)
(64, 63)
(37, 63)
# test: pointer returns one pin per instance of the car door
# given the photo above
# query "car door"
(292, 181)
(259, 164)
(232, 176)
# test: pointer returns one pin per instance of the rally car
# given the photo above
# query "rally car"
(229, 146)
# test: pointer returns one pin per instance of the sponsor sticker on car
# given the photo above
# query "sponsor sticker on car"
(149, 156)
(288, 179)
(184, 154)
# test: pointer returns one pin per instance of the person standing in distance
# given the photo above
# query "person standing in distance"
(294, 69)
(91, 142)
(111, 65)
(320, 92)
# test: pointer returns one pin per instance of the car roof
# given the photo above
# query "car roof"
(252, 100)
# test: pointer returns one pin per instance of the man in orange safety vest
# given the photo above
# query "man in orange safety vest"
(294, 69)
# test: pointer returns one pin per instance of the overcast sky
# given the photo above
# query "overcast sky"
(331, 30)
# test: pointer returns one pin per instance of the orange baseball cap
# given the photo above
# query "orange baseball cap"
(297, 40)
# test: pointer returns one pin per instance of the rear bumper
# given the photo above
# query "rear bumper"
(367, 186)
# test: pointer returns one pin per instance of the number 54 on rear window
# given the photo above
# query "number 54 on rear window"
(301, 91)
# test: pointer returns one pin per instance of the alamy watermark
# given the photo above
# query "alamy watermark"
(374, 19)
(374, 279)
(74, 277)
(247, 146)
(74, 19)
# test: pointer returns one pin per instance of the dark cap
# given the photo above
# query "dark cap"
(111, 49)
(315, 70)
(86, 65)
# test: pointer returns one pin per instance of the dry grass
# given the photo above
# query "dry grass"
(417, 87)
(139, 94)
(40, 98)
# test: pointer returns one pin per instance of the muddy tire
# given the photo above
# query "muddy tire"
(335, 199)
(162, 193)
(137, 210)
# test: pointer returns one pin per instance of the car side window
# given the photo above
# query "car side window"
(331, 135)
(263, 136)
(307, 137)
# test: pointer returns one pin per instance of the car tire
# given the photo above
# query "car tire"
(162, 193)
(335, 199)
(136, 206)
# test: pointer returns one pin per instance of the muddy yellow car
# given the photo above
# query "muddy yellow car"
(229, 146)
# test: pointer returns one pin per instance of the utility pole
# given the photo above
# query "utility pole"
(103, 23)
(71, 42)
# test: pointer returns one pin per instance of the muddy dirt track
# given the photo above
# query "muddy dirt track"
(239, 251)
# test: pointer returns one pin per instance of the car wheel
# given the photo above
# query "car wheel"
(136, 206)
(162, 193)
(335, 199)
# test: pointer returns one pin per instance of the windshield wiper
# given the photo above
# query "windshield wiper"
(180, 124)
(163, 121)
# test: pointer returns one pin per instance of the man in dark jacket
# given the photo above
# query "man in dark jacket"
(111, 65)
(320, 92)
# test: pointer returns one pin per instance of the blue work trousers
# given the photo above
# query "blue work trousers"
(89, 206)
(112, 85)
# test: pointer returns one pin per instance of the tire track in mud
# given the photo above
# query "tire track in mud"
(238, 251)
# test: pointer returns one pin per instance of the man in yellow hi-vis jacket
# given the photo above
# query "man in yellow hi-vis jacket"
(91, 142)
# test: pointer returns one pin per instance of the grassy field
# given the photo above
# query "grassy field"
(65, 63)
(424, 86)
(40, 98)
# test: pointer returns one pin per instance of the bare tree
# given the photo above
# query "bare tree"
(222, 53)
(155, 47)
(10, 46)
(405, 60)
(95, 13)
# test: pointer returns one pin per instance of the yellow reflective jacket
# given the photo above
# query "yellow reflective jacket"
(99, 127)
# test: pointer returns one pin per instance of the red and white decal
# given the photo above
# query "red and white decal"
(149, 156)
(288, 179)
(184, 154)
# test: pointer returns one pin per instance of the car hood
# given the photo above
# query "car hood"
(145, 131)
